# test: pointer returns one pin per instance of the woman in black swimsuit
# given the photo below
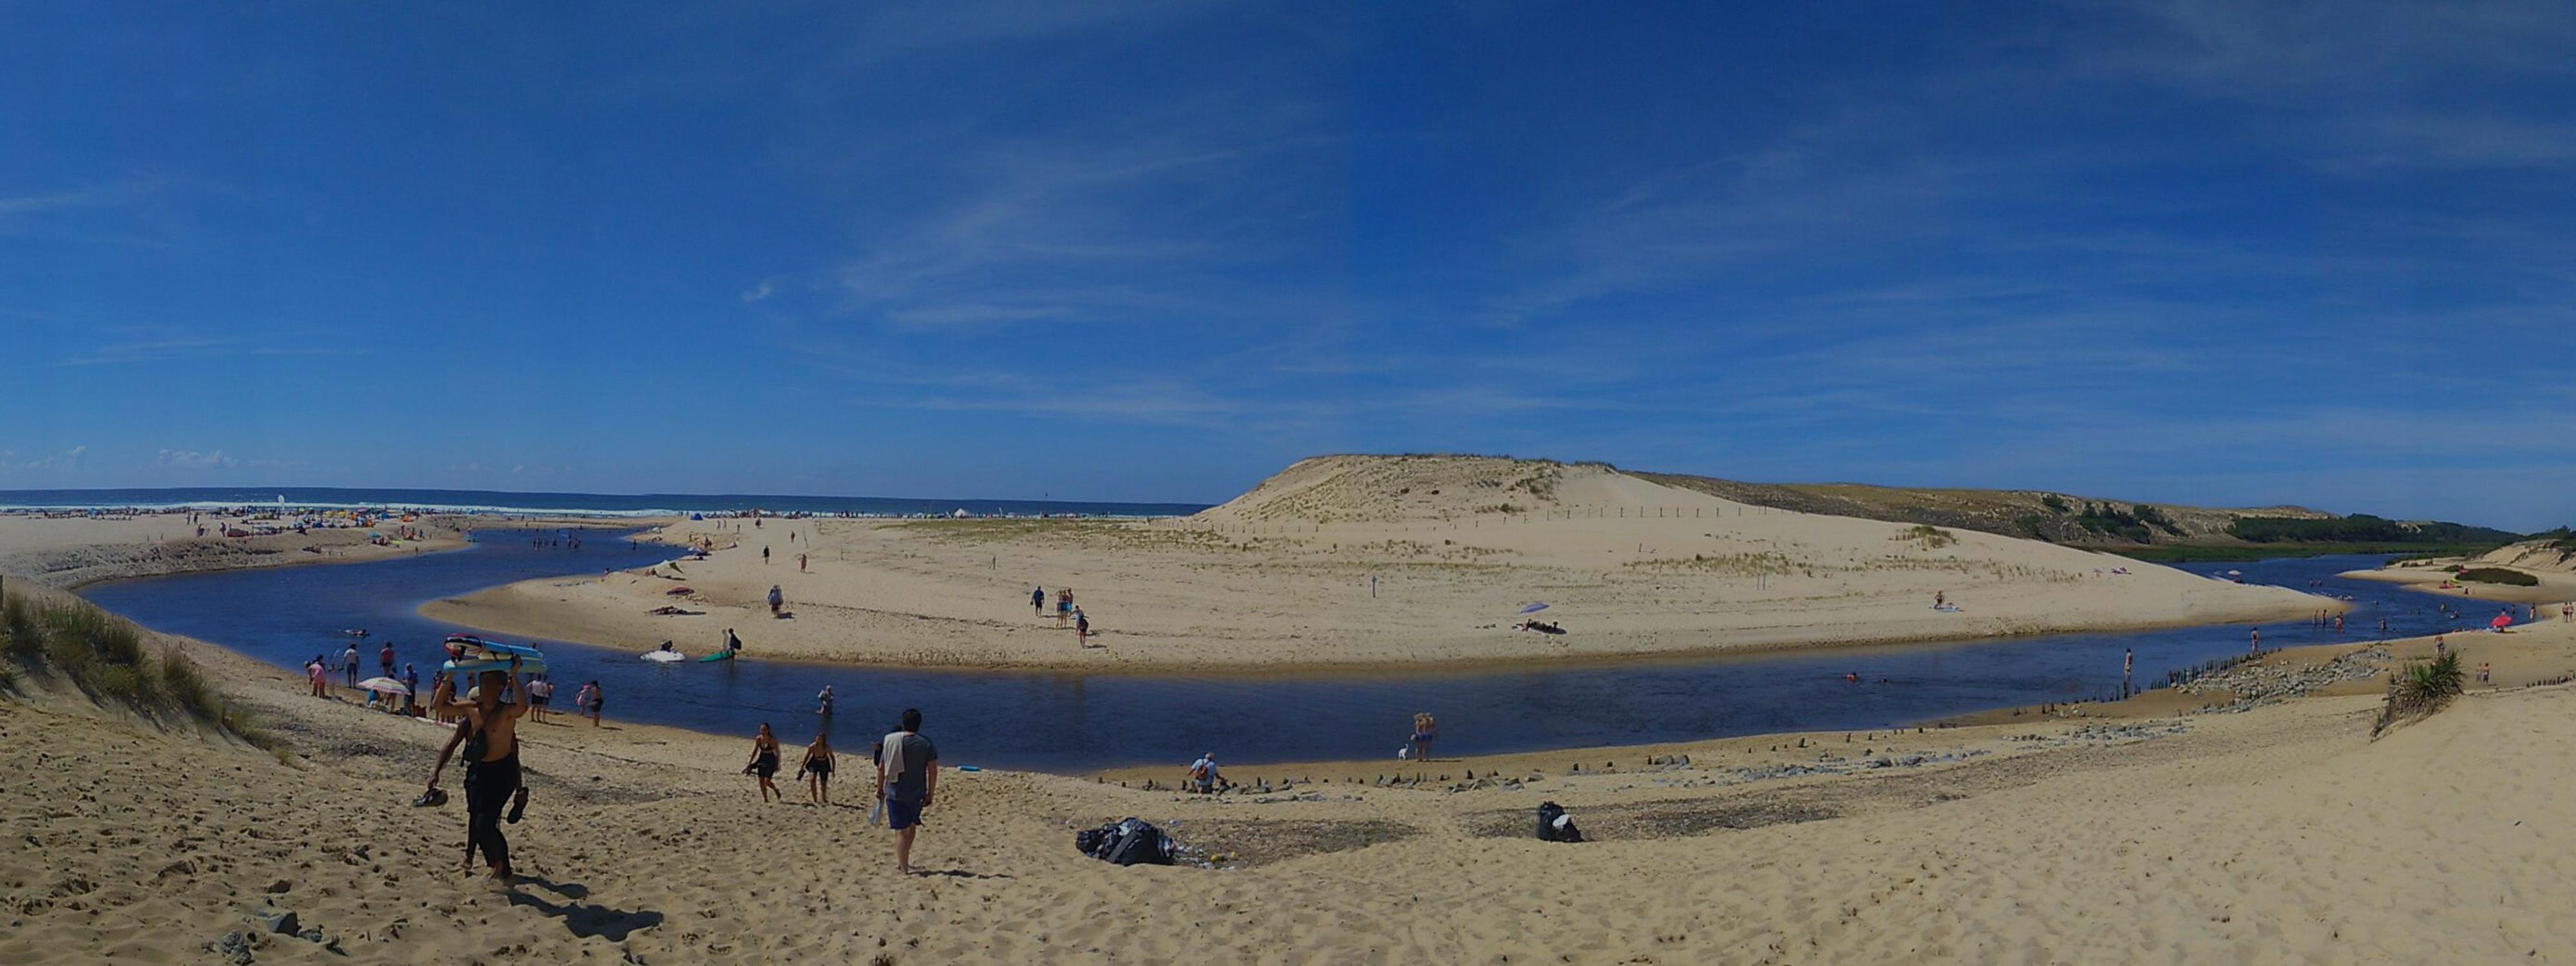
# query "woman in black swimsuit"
(764, 762)
(818, 770)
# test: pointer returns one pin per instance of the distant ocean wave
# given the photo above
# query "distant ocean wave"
(499, 503)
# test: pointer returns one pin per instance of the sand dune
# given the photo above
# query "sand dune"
(1366, 561)
(2282, 833)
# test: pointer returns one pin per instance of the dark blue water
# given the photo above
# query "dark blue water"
(586, 504)
(1075, 722)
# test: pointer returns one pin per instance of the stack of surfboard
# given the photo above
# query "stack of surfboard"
(468, 654)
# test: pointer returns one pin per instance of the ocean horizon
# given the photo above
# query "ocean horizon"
(504, 503)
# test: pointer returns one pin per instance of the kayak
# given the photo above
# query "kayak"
(717, 656)
(663, 656)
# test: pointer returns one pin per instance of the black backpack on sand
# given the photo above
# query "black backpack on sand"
(1128, 842)
(1549, 831)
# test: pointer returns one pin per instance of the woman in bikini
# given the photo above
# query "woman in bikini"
(818, 770)
(1424, 729)
(764, 763)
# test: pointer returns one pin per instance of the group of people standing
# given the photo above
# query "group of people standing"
(907, 776)
(1064, 611)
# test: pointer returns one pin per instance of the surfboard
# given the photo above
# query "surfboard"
(535, 665)
(476, 655)
(663, 656)
(717, 656)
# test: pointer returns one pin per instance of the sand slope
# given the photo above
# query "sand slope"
(2281, 834)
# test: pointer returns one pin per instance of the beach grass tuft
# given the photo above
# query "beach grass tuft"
(107, 658)
(2422, 689)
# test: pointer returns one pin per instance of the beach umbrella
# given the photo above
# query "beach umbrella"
(1533, 608)
(2501, 621)
(384, 686)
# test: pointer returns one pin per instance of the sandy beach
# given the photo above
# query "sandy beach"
(1355, 562)
(2279, 831)
(69, 551)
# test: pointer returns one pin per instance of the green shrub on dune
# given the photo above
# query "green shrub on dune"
(2499, 575)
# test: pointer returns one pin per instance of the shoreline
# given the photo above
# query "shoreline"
(453, 610)
(2154, 704)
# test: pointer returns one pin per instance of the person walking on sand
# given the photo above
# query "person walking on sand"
(764, 763)
(818, 769)
(1063, 606)
(907, 779)
(1037, 602)
(1081, 628)
(764, 556)
(318, 677)
(491, 752)
(349, 664)
(731, 643)
(800, 563)
(1424, 729)
(776, 600)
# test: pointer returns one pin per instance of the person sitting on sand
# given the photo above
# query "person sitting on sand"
(1203, 775)
(818, 769)
(491, 751)
(764, 762)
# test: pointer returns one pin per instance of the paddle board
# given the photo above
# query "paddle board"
(663, 656)
(717, 656)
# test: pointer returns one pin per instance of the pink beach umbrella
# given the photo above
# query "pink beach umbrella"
(2501, 621)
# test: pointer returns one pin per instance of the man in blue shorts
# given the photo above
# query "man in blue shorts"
(907, 777)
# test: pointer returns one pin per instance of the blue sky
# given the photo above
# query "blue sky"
(2180, 252)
